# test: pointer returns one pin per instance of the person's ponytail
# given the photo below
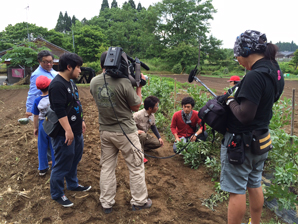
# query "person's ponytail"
(270, 51)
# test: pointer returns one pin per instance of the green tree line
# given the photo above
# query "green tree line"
(170, 32)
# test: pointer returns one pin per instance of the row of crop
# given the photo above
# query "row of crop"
(282, 160)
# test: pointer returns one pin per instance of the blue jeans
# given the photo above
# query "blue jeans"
(66, 163)
(43, 142)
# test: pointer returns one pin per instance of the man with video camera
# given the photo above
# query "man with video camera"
(116, 98)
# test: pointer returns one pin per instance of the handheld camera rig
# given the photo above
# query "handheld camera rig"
(119, 65)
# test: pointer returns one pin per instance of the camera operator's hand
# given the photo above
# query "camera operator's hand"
(143, 80)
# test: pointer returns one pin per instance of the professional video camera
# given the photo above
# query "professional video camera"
(120, 65)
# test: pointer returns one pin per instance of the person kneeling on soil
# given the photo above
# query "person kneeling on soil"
(144, 119)
(185, 122)
(39, 109)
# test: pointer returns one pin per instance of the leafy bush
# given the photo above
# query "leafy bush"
(95, 65)
(177, 68)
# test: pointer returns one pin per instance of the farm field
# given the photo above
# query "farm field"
(176, 190)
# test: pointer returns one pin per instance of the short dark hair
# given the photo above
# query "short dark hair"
(44, 53)
(45, 90)
(102, 59)
(188, 100)
(71, 59)
(150, 101)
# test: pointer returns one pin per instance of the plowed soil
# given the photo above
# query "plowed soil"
(176, 190)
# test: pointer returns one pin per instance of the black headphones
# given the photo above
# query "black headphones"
(244, 51)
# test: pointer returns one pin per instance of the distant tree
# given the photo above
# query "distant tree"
(183, 21)
(90, 42)
(215, 54)
(84, 21)
(24, 55)
(104, 5)
(60, 26)
(59, 39)
(114, 4)
(73, 20)
(139, 8)
(286, 46)
(132, 4)
(67, 21)
(294, 60)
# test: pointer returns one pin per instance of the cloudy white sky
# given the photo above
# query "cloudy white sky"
(277, 19)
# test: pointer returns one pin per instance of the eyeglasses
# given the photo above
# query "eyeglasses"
(48, 62)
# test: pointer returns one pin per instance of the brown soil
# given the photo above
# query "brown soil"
(176, 190)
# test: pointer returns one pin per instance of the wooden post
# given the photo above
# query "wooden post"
(175, 95)
(293, 116)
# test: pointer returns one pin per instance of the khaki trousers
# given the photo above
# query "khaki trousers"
(111, 143)
(148, 142)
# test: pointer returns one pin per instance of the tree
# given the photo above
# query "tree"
(73, 20)
(24, 55)
(90, 42)
(67, 21)
(183, 21)
(294, 60)
(215, 54)
(60, 26)
(114, 4)
(139, 8)
(59, 39)
(104, 5)
(132, 4)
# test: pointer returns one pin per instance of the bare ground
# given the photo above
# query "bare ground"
(176, 190)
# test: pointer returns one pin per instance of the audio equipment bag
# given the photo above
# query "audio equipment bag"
(236, 150)
(261, 142)
(215, 115)
(51, 124)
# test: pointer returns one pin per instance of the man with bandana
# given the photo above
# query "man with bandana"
(250, 111)
(185, 123)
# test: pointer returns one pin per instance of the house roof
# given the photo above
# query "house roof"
(56, 50)
(285, 53)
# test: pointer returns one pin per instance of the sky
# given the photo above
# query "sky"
(277, 20)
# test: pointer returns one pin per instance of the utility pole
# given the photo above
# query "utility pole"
(27, 9)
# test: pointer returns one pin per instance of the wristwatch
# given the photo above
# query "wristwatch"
(196, 134)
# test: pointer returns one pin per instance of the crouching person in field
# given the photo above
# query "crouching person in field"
(145, 119)
(68, 144)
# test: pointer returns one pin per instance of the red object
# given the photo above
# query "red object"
(42, 82)
(184, 130)
(234, 78)
(145, 160)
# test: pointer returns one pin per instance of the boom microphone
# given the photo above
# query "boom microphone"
(142, 64)
(192, 74)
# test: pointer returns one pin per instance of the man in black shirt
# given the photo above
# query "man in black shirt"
(68, 144)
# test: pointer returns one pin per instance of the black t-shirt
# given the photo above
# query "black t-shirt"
(61, 96)
(259, 89)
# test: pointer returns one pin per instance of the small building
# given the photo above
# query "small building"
(285, 54)
(14, 74)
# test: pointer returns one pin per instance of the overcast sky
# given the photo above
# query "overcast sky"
(278, 20)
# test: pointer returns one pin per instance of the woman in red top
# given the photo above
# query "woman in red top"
(185, 122)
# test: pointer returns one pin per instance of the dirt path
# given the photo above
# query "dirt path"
(176, 190)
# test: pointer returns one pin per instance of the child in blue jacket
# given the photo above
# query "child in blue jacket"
(39, 109)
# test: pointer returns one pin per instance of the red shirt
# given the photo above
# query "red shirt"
(181, 128)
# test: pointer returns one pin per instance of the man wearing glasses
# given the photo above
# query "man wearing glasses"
(45, 68)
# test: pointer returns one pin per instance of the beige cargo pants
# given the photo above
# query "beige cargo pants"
(111, 143)
(148, 142)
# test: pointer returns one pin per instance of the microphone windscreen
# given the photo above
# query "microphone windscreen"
(192, 74)
(145, 66)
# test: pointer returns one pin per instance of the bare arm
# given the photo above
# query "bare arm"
(35, 124)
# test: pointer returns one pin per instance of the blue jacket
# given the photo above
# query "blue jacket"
(33, 92)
